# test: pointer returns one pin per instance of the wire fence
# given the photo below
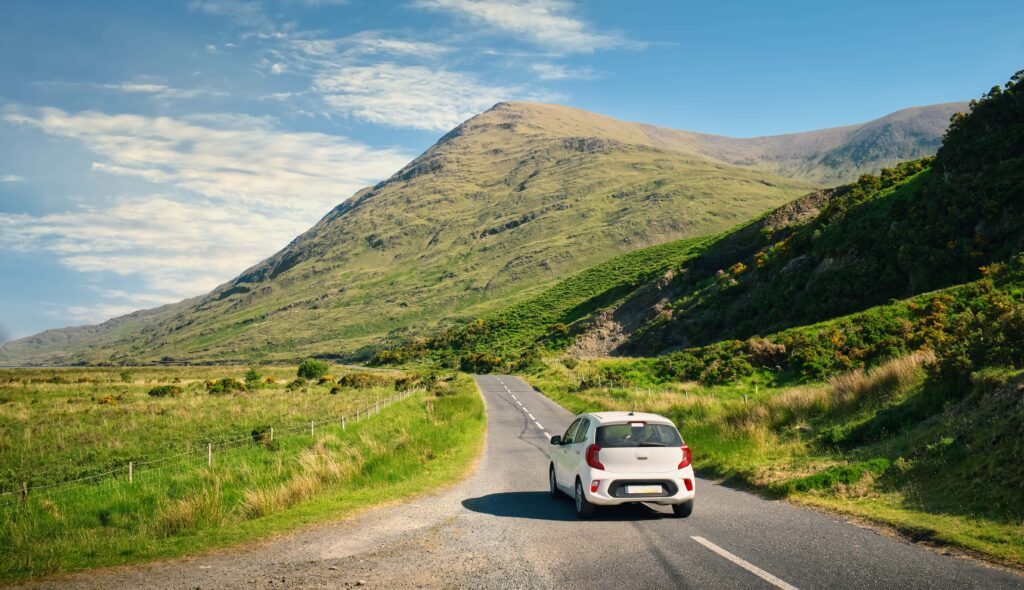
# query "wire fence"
(197, 458)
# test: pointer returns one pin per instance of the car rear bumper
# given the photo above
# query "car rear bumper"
(613, 489)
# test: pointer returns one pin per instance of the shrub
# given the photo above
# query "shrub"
(252, 378)
(165, 391)
(406, 383)
(126, 376)
(270, 380)
(765, 353)
(336, 389)
(262, 436)
(363, 380)
(480, 362)
(225, 385)
(312, 369)
(297, 383)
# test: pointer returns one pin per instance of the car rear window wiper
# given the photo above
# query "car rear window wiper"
(651, 444)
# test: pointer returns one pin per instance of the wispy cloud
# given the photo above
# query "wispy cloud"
(243, 13)
(239, 159)
(549, 23)
(178, 248)
(407, 96)
(12, 178)
(162, 91)
(550, 71)
(242, 190)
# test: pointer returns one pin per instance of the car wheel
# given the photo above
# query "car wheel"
(584, 509)
(683, 510)
(555, 492)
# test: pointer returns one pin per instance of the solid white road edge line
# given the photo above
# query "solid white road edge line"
(745, 565)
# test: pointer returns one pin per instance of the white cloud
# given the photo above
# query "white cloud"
(245, 189)
(549, 71)
(549, 23)
(277, 69)
(93, 314)
(159, 90)
(407, 96)
(373, 42)
(12, 178)
(239, 12)
(176, 247)
(238, 159)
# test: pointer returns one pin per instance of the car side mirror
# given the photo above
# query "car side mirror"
(556, 440)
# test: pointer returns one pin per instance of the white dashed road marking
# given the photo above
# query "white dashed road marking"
(745, 565)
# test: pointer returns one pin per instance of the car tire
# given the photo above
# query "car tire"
(683, 510)
(555, 492)
(584, 509)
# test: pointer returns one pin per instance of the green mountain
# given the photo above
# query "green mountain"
(923, 225)
(501, 207)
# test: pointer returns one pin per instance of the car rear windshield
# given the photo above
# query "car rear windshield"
(638, 434)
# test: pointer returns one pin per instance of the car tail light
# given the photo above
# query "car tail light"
(594, 457)
(686, 458)
(594, 485)
(689, 484)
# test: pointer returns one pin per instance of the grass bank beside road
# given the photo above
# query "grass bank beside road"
(427, 438)
(848, 444)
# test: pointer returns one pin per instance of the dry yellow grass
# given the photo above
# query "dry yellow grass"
(876, 385)
(202, 508)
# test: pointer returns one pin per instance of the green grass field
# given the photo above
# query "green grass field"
(254, 486)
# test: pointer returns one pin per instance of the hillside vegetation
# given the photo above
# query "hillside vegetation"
(922, 225)
(503, 206)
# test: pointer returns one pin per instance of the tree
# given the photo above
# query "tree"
(312, 369)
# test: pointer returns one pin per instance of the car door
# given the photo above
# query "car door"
(560, 458)
(576, 455)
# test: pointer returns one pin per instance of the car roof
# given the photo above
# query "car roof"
(620, 417)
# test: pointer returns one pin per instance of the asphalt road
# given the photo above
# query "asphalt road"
(500, 529)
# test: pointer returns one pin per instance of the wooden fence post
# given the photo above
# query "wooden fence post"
(131, 469)
(24, 492)
(209, 454)
(310, 428)
(271, 433)
(343, 423)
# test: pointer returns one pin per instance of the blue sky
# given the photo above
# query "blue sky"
(152, 150)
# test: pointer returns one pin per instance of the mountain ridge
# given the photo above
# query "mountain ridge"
(505, 203)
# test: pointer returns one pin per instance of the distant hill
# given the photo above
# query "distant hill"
(504, 205)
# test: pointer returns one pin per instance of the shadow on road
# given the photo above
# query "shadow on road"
(541, 506)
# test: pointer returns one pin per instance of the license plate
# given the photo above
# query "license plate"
(643, 489)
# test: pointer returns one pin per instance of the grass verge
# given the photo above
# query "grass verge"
(427, 440)
(856, 445)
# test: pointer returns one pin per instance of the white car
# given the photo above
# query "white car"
(612, 458)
